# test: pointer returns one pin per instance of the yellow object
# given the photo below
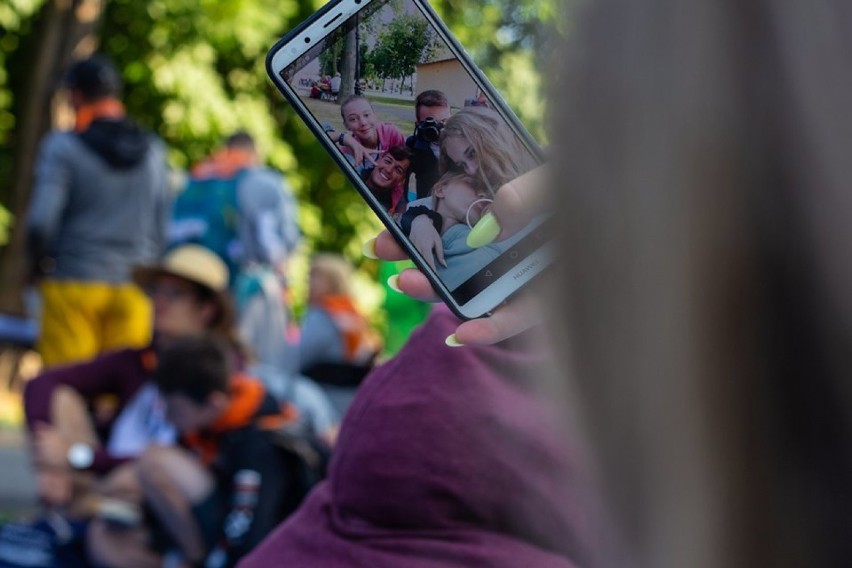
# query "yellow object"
(83, 319)
(368, 249)
(452, 341)
(484, 232)
(393, 283)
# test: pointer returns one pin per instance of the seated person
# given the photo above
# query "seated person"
(431, 109)
(337, 346)
(365, 139)
(334, 84)
(458, 202)
(218, 495)
(387, 177)
(477, 142)
(71, 444)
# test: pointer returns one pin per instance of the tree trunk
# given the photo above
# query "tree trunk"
(347, 67)
(67, 33)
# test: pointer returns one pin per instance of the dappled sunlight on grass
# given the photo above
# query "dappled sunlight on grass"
(11, 410)
(25, 366)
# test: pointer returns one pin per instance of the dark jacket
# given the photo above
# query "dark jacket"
(424, 166)
(100, 201)
(241, 442)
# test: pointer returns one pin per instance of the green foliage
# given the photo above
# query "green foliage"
(5, 225)
(400, 47)
(16, 18)
(194, 73)
(511, 41)
(330, 60)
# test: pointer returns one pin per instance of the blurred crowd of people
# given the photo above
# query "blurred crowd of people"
(159, 306)
(685, 405)
(176, 421)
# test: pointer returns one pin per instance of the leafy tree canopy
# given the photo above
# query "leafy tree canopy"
(401, 46)
(194, 73)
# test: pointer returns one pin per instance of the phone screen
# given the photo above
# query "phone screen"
(428, 137)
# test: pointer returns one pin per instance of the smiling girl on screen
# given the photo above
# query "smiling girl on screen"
(365, 139)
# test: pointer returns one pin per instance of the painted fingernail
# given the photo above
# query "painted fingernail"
(453, 341)
(368, 249)
(393, 283)
(484, 232)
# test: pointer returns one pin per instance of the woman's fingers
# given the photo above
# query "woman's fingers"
(515, 204)
(386, 248)
(519, 314)
(510, 319)
(412, 282)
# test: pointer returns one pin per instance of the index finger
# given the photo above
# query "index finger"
(513, 317)
(388, 249)
(517, 201)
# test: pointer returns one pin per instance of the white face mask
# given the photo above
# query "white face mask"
(469, 207)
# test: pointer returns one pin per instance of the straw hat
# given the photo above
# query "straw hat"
(190, 262)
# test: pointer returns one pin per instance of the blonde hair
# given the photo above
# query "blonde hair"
(337, 269)
(455, 177)
(704, 210)
(500, 154)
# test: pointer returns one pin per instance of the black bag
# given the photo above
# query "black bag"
(305, 457)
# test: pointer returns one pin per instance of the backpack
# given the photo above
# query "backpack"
(207, 213)
(304, 457)
(291, 233)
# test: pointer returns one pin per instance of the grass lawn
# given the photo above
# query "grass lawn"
(400, 113)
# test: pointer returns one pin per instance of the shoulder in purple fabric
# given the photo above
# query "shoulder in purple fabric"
(444, 455)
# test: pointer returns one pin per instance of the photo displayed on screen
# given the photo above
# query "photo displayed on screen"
(421, 134)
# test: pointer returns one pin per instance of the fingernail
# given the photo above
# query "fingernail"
(368, 249)
(484, 232)
(393, 283)
(452, 341)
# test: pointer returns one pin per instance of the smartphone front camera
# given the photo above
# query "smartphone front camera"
(307, 40)
(357, 1)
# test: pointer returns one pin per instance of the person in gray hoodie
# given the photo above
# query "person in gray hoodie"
(100, 204)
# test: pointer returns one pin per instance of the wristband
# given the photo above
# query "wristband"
(340, 138)
(411, 214)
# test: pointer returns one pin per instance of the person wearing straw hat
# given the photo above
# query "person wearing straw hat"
(188, 290)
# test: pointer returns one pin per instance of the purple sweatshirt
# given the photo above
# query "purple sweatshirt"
(445, 459)
(119, 374)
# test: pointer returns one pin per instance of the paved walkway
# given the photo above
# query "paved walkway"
(17, 486)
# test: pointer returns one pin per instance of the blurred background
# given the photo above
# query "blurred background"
(194, 73)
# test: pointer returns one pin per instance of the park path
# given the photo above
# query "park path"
(17, 485)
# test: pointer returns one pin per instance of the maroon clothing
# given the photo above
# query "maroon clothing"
(119, 375)
(444, 459)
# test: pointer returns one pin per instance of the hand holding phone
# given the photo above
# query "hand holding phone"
(515, 201)
(465, 142)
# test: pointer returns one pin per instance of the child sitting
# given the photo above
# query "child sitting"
(365, 139)
(217, 496)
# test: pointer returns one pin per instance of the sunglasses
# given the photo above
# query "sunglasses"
(170, 292)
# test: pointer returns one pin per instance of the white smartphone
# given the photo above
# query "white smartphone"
(424, 137)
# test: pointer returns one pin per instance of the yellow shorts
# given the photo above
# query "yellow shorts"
(82, 319)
